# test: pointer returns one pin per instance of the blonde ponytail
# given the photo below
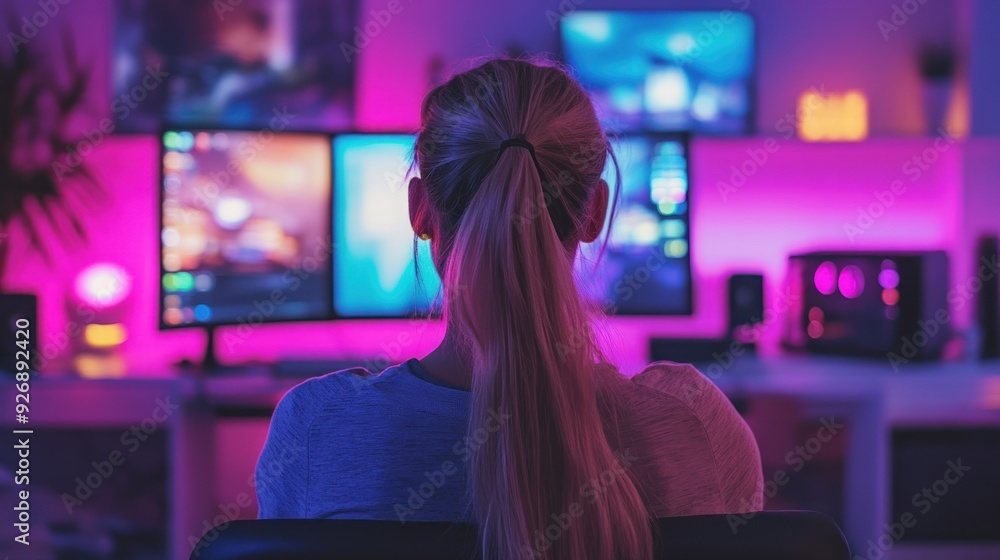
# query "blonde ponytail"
(547, 483)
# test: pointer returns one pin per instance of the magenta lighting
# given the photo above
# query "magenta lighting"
(851, 282)
(888, 278)
(826, 278)
(103, 285)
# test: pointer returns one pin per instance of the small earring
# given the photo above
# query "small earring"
(425, 236)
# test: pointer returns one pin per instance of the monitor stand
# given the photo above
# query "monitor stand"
(284, 368)
(210, 365)
(209, 361)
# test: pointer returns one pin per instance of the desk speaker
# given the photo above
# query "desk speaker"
(988, 298)
(746, 302)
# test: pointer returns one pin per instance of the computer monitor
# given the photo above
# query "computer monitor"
(665, 70)
(234, 64)
(645, 269)
(375, 275)
(244, 231)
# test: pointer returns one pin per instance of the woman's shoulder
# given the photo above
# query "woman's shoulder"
(344, 380)
(701, 422)
(282, 473)
(307, 398)
(679, 382)
(679, 391)
(348, 389)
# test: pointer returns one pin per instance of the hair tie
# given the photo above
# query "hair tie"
(520, 142)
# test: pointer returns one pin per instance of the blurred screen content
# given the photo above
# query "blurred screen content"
(374, 270)
(233, 64)
(645, 268)
(245, 227)
(665, 71)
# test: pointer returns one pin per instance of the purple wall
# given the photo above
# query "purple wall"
(801, 45)
(801, 198)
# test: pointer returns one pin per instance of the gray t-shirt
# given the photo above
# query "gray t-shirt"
(393, 446)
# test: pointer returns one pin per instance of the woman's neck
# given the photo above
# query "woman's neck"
(450, 362)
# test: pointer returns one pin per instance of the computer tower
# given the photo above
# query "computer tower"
(886, 304)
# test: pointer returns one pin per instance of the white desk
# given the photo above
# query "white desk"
(868, 395)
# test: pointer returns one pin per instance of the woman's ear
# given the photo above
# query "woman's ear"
(596, 213)
(419, 209)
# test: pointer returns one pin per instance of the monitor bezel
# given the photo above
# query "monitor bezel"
(161, 152)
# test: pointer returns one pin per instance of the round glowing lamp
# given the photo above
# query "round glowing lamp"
(96, 312)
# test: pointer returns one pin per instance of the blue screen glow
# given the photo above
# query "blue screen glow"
(644, 270)
(374, 273)
(666, 71)
(646, 267)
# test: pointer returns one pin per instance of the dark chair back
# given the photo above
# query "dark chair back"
(771, 535)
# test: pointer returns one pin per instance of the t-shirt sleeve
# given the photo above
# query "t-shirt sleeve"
(733, 446)
(281, 475)
(738, 458)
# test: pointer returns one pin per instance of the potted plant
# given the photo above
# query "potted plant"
(40, 97)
